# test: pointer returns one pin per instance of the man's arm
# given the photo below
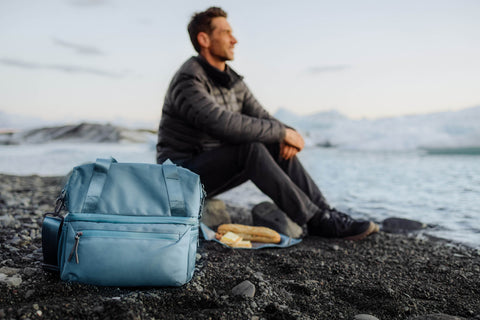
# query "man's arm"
(195, 104)
(293, 141)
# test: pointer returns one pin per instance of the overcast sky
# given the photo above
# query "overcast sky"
(109, 59)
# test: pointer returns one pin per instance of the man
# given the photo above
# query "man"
(212, 124)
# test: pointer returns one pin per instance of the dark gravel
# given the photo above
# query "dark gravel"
(388, 276)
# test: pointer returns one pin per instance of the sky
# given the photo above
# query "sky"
(107, 60)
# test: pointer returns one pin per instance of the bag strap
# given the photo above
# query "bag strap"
(97, 182)
(174, 189)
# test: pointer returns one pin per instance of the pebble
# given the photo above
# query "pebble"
(9, 271)
(29, 294)
(98, 309)
(245, 288)
(15, 240)
(7, 221)
(436, 316)
(258, 275)
(13, 281)
(29, 271)
(365, 317)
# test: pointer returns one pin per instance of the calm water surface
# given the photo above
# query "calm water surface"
(442, 191)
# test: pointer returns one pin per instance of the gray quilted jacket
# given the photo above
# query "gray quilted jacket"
(205, 108)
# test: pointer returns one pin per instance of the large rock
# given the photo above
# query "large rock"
(240, 215)
(215, 213)
(400, 225)
(267, 214)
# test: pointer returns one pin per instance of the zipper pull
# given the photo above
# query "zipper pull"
(75, 247)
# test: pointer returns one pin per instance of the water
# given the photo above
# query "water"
(59, 158)
(440, 190)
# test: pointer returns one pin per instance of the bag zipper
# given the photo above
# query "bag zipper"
(95, 217)
(75, 247)
(111, 234)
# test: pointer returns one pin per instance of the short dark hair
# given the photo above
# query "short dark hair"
(202, 22)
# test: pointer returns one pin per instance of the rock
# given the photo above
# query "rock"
(215, 213)
(267, 214)
(29, 271)
(400, 225)
(7, 221)
(11, 281)
(436, 316)
(245, 288)
(29, 294)
(98, 309)
(365, 317)
(259, 276)
(240, 215)
(9, 271)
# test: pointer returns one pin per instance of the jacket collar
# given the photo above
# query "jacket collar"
(225, 78)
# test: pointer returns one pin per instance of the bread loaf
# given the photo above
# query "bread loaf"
(250, 233)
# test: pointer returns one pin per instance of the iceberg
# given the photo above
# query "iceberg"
(441, 132)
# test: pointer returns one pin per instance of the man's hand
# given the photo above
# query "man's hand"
(294, 139)
(287, 152)
(291, 145)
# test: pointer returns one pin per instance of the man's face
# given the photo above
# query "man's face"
(222, 41)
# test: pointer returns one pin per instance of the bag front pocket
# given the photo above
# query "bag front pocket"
(125, 257)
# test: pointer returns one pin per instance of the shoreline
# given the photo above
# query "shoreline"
(388, 276)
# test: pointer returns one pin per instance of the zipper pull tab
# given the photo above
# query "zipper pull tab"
(75, 247)
(60, 202)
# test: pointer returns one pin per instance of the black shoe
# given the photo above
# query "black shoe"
(334, 224)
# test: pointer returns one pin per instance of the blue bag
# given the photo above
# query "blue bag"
(130, 224)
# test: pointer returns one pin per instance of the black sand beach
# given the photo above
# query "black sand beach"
(387, 276)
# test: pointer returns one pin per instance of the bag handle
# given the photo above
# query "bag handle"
(97, 182)
(174, 189)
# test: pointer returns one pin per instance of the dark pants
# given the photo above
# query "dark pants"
(285, 181)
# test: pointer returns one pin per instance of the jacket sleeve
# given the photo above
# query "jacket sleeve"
(194, 104)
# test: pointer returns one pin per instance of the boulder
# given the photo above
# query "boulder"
(267, 214)
(400, 225)
(215, 213)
